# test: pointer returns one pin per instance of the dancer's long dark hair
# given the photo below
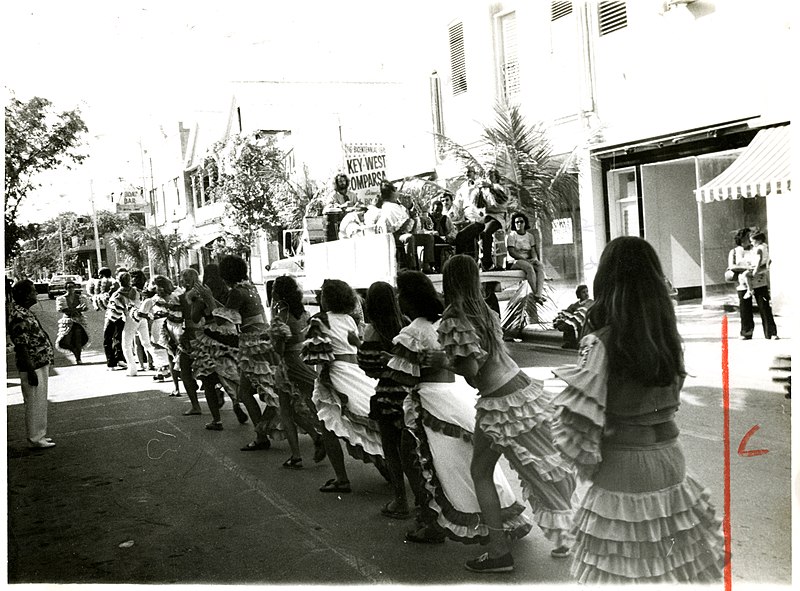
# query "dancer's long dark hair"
(213, 281)
(418, 297)
(286, 290)
(383, 311)
(631, 298)
(462, 291)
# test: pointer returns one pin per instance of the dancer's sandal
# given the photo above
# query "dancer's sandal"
(257, 445)
(294, 463)
(192, 411)
(334, 486)
(561, 552)
(214, 426)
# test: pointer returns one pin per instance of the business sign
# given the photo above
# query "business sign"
(562, 231)
(365, 164)
(132, 208)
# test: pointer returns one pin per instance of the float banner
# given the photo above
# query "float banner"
(365, 164)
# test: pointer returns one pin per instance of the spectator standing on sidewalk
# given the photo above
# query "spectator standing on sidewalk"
(740, 261)
(34, 353)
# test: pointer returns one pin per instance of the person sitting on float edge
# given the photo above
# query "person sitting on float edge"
(523, 254)
(571, 320)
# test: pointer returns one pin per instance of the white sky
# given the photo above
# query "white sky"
(132, 65)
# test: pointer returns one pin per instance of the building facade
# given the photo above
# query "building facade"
(659, 98)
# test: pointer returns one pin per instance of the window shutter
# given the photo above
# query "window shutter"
(612, 16)
(510, 64)
(560, 9)
(458, 64)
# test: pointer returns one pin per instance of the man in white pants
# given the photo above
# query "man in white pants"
(34, 353)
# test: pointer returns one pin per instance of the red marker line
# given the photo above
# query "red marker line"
(726, 439)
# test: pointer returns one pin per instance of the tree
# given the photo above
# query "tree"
(37, 139)
(253, 184)
(539, 184)
(168, 249)
(131, 243)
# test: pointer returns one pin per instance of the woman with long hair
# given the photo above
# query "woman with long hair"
(441, 415)
(643, 519)
(513, 419)
(295, 379)
(384, 323)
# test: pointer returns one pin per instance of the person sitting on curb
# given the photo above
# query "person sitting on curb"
(570, 321)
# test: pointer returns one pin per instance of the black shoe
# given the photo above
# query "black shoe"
(425, 535)
(484, 564)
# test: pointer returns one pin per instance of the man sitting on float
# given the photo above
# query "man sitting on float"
(336, 204)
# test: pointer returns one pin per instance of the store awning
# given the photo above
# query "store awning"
(762, 169)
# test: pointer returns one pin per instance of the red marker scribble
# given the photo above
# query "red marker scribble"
(726, 441)
(743, 451)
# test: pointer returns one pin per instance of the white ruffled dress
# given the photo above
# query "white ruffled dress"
(342, 390)
(516, 416)
(441, 415)
(643, 519)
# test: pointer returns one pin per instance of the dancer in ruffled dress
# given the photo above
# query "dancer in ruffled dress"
(342, 390)
(295, 379)
(385, 320)
(72, 335)
(257, 356)
(513, 419)
(643, 519)
(215, 347)
(441, 414)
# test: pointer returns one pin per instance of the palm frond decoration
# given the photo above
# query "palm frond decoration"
(539, 184)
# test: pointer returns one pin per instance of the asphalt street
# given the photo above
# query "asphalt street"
(134, 492)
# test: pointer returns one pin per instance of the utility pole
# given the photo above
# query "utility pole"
(94, 223)
(146, 197)
(61, 240)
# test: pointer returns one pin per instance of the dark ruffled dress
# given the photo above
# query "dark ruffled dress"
(515, 412)
(643, 519)
(440, 412)
(215, 349)
(342, 390)
(387, 402)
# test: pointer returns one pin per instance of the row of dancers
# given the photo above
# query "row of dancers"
(425, 389)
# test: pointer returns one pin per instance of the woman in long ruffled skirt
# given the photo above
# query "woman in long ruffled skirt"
(644, 519)
(513, 420)
(342, 390)
(440, 411)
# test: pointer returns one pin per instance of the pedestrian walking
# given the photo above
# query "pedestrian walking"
(34, 355)
(440, 411)
(342, 390)
(72, 335)
(513, 419)
(643, 519)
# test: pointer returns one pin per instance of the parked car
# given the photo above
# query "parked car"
(58, 282)
(41, 286)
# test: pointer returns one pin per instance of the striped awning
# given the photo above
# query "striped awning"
(762, 169)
